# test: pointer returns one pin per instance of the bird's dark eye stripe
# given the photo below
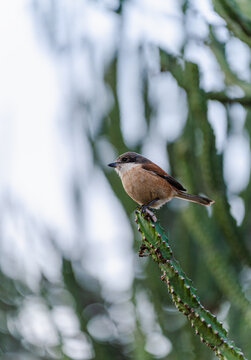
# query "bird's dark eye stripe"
(128, 159)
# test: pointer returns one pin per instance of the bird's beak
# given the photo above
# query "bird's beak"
(114, 164)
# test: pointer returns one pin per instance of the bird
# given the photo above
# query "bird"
(149, 185)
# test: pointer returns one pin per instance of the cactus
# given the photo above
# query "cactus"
(224, 99)
(210, 163)
(236, 21)
(183, 294)
(218, 49)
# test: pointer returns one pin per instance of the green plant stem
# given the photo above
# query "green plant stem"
(182, 292)
(187, 77)
(236, 21)
(222, 97)
(231, 78)
(200, 226)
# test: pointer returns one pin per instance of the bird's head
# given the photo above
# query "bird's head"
(127, 161)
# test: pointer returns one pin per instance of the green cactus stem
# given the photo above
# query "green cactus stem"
(222, 97)
(187, 77)
(218, 49)
(183, 294)
(236, 21)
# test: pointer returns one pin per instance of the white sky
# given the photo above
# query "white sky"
(30, 97)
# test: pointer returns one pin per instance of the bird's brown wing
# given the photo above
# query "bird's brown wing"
(160, 172)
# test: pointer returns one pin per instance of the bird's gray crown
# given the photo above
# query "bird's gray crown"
(131, 157)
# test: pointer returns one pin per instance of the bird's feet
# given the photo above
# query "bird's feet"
(142, 209)
(147, 212)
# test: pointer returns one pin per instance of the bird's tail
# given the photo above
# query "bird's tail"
(194, 198)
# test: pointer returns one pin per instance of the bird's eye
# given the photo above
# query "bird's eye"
(124, 159)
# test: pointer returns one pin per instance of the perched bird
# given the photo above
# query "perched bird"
(149, 185)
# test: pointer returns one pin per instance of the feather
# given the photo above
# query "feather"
(155, 169)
